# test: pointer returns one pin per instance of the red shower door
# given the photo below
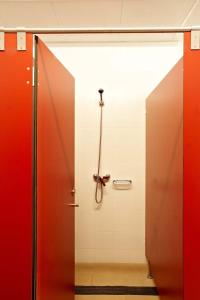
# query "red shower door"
(164, 184)
(55, 178)
(172, 185)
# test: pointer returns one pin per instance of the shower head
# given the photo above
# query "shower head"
(101, 103)
(100, 91)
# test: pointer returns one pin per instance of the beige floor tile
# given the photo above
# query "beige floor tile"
(83, 274)
(99, 297)
(141, 298)
(109, 297)
(121, 274)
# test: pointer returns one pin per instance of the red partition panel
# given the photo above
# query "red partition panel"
(164, 184)
(16, 170)
(55, 179)
(191, 170)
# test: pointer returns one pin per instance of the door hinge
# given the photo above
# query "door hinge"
(21, 41)
(33, 76)
(2, 41)
(195, 40)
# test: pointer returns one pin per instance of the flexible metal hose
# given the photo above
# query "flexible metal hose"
(99, 183)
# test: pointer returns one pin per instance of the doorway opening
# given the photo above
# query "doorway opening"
(110, 237)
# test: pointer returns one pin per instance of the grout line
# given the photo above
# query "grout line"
(55, 13)
(92, 275)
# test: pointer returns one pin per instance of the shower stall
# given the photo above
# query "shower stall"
(38, 159)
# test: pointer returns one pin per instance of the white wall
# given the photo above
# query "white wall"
(115, 232)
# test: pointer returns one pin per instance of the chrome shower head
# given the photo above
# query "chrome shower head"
(101, 103)
(101, 91)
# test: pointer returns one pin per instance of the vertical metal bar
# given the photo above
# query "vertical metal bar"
(85, 30)
(35, 99)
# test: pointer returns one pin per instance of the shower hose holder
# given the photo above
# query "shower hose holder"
(103, 180)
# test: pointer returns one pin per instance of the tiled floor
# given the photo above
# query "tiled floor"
(113, 274)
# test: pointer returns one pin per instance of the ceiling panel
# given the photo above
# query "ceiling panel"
(155, 12)
(99, 13)
(89, 13)
(194, 17)
(27, 14)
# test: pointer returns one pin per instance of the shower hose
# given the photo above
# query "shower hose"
(99, 182)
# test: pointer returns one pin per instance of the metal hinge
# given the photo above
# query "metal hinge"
(21, 41)
(33, 76)
(2, 41)
(195, 40)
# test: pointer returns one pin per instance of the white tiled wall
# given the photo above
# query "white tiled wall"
(115, 231)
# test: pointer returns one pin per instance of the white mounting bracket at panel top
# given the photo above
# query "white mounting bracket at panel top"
(195, 40)
(2, 41)
(21, 41)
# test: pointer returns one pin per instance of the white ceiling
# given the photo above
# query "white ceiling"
(99, 13)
